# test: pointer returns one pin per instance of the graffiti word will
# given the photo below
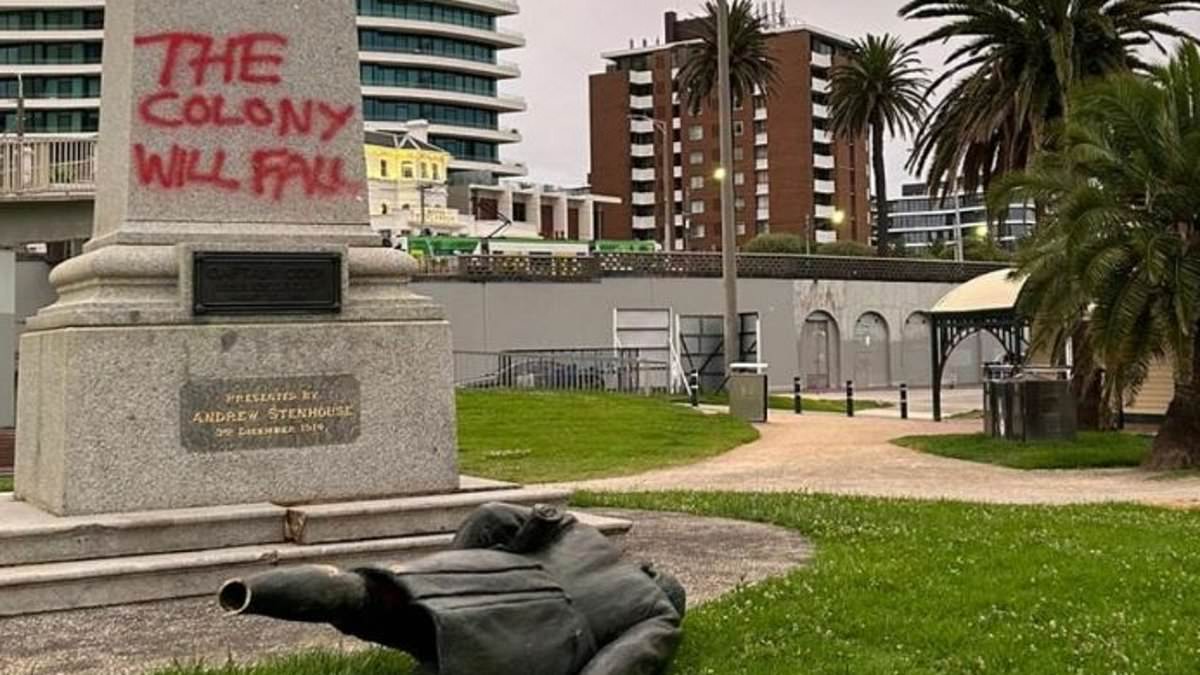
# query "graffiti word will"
(272, 171)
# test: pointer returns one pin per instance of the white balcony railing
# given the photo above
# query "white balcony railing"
(760, 139)
(641, 126)
(643, 175)
(824, 211)
(823, 161)
(820, 84)
(820, 111)
(641, 77)
(762, 164)
(760, 114)
(762, 189)
(643, 222)
(643, 199)
(47, 165)
(824, 186)
(822, 60)
(822, 136)
(641, 102)
(641, 150)
(763, 214)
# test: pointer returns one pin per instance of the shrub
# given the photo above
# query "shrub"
(776, 243)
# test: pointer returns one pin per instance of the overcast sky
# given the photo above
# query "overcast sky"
(566, 38)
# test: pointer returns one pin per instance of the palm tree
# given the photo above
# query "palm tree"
(881, 89)
(1017, 61)
(750, 64)
(1118, 251)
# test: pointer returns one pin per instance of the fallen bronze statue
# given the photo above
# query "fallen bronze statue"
(521, 592)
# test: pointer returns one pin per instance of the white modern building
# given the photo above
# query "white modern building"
(435, 60)
(920, 220)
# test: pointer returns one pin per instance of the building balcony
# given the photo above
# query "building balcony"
(677, 172)
(762, 164)
(641, 77)
(820, 111)
(762, 189)
(641, 102)
(498, 103)
(824, 211)
(643, 175)
(822, 136)
(760, 139)
(824, 162)
(677, 147)
(644, 223)
(679, 195)
(820, 84)
(676, 123)
(763, 214)
(822, 60)
(760, 114)
(501, 39)
(641, 126)
(641, 151)
(52, 103)
(52, 69)
(498, 168)
(51, 36)
(643, 199)
(501, 70)
(827, 187)
(498, 7)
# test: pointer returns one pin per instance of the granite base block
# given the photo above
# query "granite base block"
(122, 419)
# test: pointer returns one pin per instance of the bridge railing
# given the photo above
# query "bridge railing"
(47, 165)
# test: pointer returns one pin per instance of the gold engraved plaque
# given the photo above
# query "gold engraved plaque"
(257, 414)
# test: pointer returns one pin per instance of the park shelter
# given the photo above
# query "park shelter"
(986, 303)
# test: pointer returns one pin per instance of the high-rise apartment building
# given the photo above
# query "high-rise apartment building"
(434, 60)
(920, 220)
(790, 173)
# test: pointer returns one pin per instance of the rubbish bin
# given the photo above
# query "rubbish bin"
(748, 395)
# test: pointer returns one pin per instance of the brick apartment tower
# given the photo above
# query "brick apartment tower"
(790, 173)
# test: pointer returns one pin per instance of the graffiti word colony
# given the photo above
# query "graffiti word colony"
(194, 78)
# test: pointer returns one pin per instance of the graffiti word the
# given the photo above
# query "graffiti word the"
(248, 58)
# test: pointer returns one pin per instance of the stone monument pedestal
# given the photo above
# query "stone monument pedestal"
(236, 374)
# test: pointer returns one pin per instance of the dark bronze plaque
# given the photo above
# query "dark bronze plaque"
(255, 414)
(267, 283)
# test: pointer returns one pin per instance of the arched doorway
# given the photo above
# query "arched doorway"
(872, 361)
(914, 354)
(819, 353)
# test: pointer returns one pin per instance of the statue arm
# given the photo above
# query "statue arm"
(644, 649)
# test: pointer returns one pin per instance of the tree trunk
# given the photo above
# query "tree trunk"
(883, 222)
(1177, 445)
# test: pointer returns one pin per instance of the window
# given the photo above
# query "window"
(739, 204)
(739, 154)
(697, 182)
(424, 170)
(376, 75)
(437, 172)
(408, 43)
(762, 177)
(739, 128)
(739, 178)
(741, 228)
(407, 171)
(696, 132)
(519, 213)
(697, 206)
(698, 232)
(760, 127)
(696, 158)
(760, 152)
(383, 168)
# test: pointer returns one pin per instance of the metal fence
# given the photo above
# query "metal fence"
(699, 265)
(47, 165)
(609, 370)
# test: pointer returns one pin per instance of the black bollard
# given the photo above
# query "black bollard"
(798, 401)
(694, 390)
(849, 398)
(903, 401)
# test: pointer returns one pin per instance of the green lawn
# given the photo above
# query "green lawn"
(927, 588)
(1091, 450)
(6, 484)
(533, 437)
(785, 402)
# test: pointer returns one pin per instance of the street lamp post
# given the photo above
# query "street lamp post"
(728, 234)
(668, 178)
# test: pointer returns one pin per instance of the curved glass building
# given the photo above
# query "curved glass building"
(434, 60)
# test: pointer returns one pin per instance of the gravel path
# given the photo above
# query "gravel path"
(831, 454)
(137, 639)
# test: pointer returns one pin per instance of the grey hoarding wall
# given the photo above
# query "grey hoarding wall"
(826, 332)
